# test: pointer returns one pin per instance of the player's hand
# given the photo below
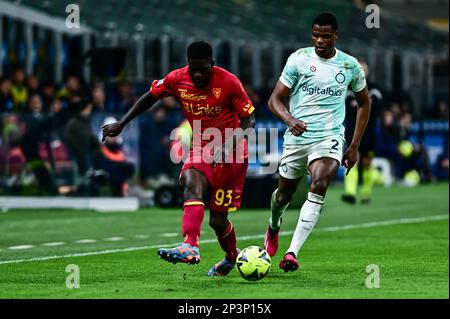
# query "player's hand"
(297, 127)
(111, 130)
(350, 158)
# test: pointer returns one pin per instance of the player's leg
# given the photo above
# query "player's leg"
(226, 237)
(322, 171)
(226, 196)
(195, 184)
(280, 200)
(293, 166)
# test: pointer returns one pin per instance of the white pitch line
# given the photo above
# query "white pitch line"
(169, 235)
(114, 238)
(325, 229)
(21, 247)
(85, 241)
(56, 243)
(141, 236)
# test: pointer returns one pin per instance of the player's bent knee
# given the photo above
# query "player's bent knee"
(320, 186)
(192, 192)
(283, 198)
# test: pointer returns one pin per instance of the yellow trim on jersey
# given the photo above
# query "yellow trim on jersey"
(232, 209)
(194, 203)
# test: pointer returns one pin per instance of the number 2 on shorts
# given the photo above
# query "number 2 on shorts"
(334, 147)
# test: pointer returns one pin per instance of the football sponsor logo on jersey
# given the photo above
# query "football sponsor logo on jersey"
(201, 110)
(340, 77)
(217, 92)
(160, 82)
(317, 90)
(190, 96)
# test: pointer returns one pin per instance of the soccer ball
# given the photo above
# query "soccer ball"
(253, 263)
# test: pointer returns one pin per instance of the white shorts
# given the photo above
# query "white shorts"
(296, 158)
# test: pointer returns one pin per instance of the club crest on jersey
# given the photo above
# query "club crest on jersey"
(340, 77)
(217, 92)
(313, 68)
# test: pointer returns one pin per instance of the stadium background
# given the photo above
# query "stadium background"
(48, 71)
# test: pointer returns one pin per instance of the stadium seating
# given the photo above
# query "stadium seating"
(246, 19)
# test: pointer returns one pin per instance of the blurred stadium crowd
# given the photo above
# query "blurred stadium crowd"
(52, 130)
(52, 105)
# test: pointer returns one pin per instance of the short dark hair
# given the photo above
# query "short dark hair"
(199, 50)
(326, 18)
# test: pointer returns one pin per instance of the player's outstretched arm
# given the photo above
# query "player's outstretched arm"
(142, 104)
(248, 122)
(362, 117)
(279, 109)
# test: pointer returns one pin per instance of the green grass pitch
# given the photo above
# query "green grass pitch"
(404, 231)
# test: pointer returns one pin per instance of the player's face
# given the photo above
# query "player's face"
(324, 40)
(200, 71)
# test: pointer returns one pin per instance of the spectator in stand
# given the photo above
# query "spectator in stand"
(12, 159)
(80, 140)
(72, 88)
(6, 99)
(157, 128)
(413, 152)
(395, 142)
(125, 98)
(19, 91)
(98, 99)
(38, 129)
(174, 115)
(32, 84)
(441, 168)
(441, 111)
(115, 163)
(388, 139)
(48, 93)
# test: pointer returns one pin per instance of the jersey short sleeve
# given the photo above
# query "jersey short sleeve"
(358, 81)
(162, 88)
(289, 76)
(239, 99)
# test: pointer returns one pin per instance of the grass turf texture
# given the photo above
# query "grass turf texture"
(412, 257)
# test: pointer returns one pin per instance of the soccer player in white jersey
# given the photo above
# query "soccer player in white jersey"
(315, 80)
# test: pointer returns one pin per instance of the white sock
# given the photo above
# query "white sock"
(309, 214)
(276, 212)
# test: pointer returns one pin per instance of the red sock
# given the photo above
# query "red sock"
(191, 223)
(227, 240)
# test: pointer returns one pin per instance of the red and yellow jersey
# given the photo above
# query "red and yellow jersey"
(220, 104)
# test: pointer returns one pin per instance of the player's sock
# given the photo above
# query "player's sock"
(309, 214)
(368, 180)
(351, 182)
(227, 240)
(191, 223)
(276, 211)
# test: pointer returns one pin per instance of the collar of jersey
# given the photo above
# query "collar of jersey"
(326, 60)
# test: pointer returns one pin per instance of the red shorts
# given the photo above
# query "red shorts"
(227, 181)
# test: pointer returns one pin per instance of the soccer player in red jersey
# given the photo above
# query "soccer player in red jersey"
(211, 98)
